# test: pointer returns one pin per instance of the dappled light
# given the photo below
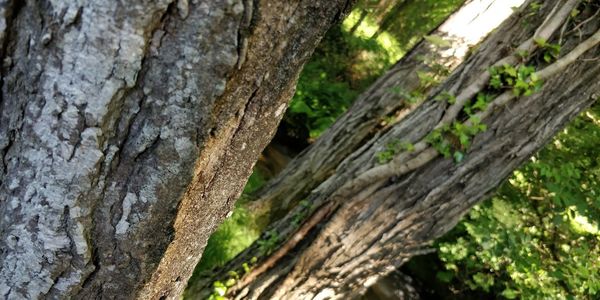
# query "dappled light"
(538, 236)
(366, 28)
(310, 149)
(529, 239)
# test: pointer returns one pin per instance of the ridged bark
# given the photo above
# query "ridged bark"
(127, 131)
(382, 100)
(368, 217)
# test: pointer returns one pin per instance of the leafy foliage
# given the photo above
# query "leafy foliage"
(552, 51)
(331, 81)
(453, 140)
(392, 148)
(522, 79)
(343, 65)
(538, 237)
(348, 60)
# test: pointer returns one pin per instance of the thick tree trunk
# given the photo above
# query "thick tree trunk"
(382, 104)
(127, 131)
(370, 216)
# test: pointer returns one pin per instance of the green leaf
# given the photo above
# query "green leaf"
(246, 268)
(458, 156)
(495, 82)
(574, 12)
(509, 294)
(465, 140)
(535, 6)
(219, 288)
(517, 92)
(233, 274)
(230, 282)
(426, 78)
(510, 70)
(483, 280)
(481, 102)
(398, 91)
(534, 77)
(540, 42)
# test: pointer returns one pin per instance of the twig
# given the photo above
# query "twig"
(545, 73)
(568, 59)
(398, 167)
(590, 59)
(425, 153)
(584, 22)
(548, 27)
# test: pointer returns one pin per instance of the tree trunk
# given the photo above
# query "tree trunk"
(382, 104)
(371, 215)
(127, 130)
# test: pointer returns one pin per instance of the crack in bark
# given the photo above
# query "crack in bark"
(105, 169)
(12, 10)
(72, 249)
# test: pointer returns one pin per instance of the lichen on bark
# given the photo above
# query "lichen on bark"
(121, 127)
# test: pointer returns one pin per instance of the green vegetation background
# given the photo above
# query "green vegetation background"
(536, 238)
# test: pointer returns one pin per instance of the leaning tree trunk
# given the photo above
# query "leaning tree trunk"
(127, 130)
(382, 104)
(389, 199)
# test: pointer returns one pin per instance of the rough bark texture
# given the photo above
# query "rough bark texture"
(360, 228)
(367, 116)
(127, 130)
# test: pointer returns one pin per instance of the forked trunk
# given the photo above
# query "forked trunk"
(383, 103)
(404, 187)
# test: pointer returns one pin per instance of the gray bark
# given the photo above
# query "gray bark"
(367, 219)
(367, 116)
(127, 130)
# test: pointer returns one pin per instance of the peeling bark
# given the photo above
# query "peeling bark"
(368, 218)
(127, 130)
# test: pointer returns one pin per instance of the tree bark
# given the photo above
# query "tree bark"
(127, 131)
(369, 217)
(382, 104)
